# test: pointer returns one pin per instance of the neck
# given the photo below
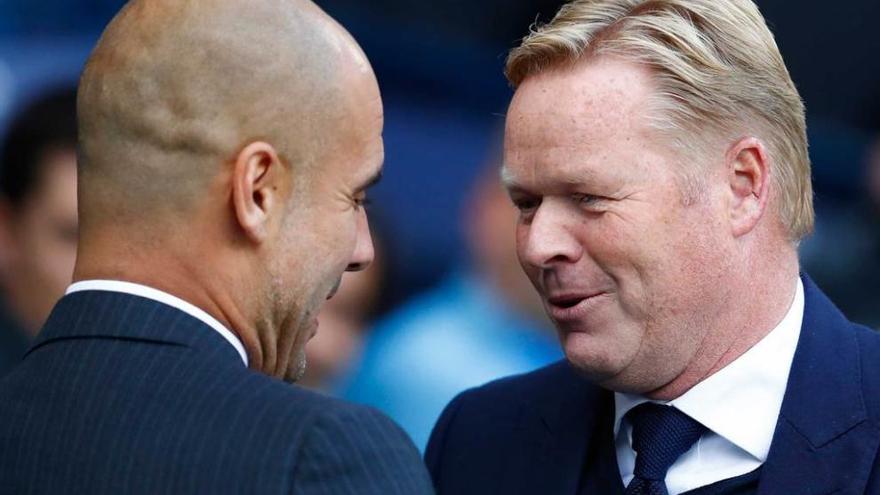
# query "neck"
(758, 306)
(195, 281)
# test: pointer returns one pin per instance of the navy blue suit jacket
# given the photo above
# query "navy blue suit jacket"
(125, 395)
(550, 432)
(13, 342)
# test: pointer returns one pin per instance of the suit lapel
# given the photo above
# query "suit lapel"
(823, 442)
(601, 472)
(560, 428)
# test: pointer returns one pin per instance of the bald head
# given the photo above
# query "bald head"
(175, 88)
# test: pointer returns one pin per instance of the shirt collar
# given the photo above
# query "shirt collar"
(164, 298)
(741, 402)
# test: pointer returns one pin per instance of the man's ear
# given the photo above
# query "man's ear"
(748, 172)
(258, 189)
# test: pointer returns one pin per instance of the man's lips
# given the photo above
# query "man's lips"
(567, 306)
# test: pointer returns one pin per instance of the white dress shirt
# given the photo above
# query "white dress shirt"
(739, 405)
(164, 298)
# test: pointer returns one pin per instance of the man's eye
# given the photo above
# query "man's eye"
(362, 202)
(587, 199)
(526, 204)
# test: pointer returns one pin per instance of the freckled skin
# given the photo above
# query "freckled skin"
(602, 211)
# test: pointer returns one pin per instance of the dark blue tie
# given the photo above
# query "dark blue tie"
(660, 435)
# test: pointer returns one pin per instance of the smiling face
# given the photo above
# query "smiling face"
(629, 267)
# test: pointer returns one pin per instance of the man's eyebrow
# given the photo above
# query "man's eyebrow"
(510, 183)
(574, 180)
(507, 179)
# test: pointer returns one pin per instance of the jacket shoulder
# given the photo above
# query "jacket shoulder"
(335, 446)
(353, 449)
(482, 433)
(499, 406)
(503, 402)
(547, 382)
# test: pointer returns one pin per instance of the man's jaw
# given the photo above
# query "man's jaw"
(335, 289)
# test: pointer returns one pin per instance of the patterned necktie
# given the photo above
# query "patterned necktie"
(660, 435)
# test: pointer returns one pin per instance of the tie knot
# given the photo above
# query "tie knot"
(660, 435)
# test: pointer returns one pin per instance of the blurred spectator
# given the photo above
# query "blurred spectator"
(481, 323)
(38, 224)
(343, 321)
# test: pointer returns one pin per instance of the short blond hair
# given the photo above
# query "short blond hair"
(717, 71)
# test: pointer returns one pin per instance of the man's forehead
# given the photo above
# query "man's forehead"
(594, 95)
(370, 170)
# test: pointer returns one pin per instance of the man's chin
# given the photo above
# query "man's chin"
(602, 368)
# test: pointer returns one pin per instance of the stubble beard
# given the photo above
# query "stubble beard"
(297, 368)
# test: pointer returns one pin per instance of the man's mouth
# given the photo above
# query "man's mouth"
(566, 301)
(570, 299)
(570, 305)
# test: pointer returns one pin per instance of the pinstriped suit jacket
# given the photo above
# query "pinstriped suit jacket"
(122, 394)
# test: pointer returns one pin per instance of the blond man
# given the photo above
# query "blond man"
(656, 151)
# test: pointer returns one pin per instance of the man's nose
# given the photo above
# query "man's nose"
(548, 239)
(363, 248)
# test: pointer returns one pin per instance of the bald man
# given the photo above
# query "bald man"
(225, 152)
